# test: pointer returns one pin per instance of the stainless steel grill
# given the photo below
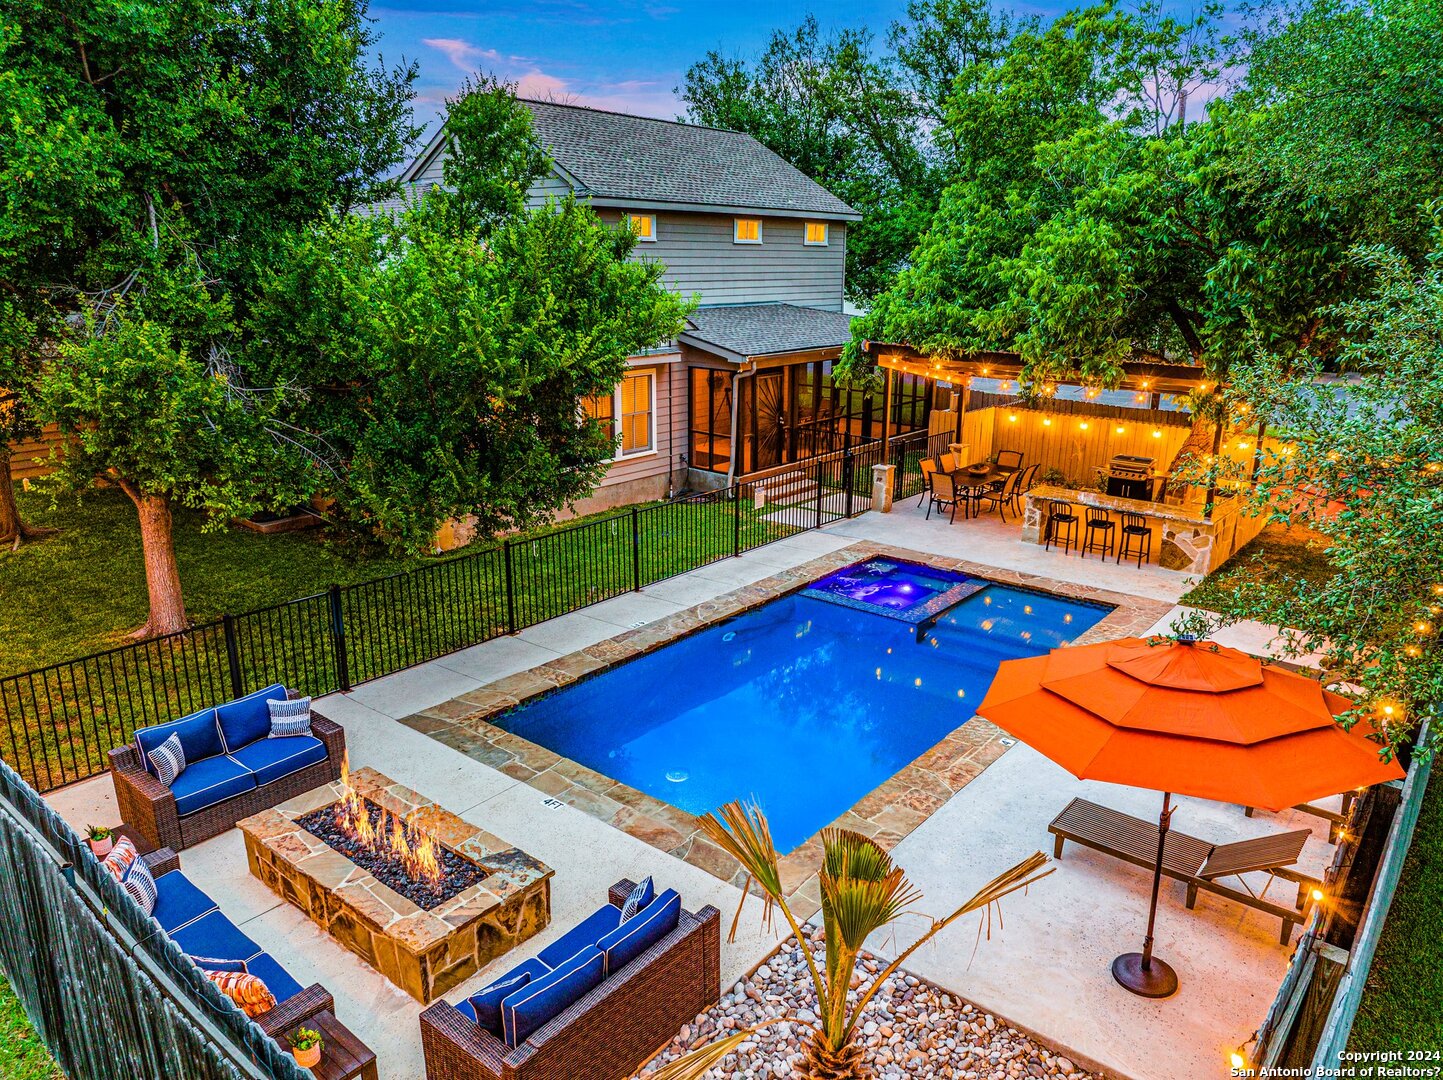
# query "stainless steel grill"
(1129, 476)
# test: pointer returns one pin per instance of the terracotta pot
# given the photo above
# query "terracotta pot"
(307, 1059)
(101, 848)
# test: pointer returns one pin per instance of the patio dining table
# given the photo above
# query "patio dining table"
(964, 479)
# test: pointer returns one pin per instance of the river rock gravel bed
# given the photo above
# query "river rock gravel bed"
(911, 1029)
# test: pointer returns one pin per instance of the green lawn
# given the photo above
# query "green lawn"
(1401, 1009)
(1277, 550)
(83, 590)
(22, 1055)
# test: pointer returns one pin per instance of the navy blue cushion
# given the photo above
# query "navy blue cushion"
(205, 783)
(278, 981)
(199, 738)
(483, 1008)
(271, 759)
(635, 936)
(542, 999)
(247, 719)
(215, 936)
(178, 901)
(578, 937)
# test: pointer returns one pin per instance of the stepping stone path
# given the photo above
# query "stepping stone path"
(911, 1029)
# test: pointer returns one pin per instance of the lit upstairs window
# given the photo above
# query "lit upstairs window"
(816, 234)
(747, 230)
(644, 225)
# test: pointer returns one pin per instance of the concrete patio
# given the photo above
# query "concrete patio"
(1045, 970)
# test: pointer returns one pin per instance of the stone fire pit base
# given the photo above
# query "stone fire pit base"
(423, 952)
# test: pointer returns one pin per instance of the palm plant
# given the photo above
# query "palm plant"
(863, 891)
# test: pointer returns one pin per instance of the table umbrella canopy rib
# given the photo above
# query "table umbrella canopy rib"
(1191, 718)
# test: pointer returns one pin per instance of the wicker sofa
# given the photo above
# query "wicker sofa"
(607, 1033)
(193, 921)
(232, 770)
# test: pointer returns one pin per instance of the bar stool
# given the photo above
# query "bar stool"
(1135, 528)
(1100, 533)
(1061, 525)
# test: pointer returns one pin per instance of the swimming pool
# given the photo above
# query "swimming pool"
(804, 704)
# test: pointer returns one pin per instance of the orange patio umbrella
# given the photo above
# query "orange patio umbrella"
(1184, 717)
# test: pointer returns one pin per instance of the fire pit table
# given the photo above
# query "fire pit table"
(423, 897)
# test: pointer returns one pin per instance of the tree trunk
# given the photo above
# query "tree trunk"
(13, 529)
(162, 575)
(825, 1063)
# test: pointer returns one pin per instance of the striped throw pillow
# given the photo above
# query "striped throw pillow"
(169, 760)
(140, 885)
(643, 894)
(250, 994)
(289, 717)
(120, 858)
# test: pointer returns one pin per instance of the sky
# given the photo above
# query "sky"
(625, 55)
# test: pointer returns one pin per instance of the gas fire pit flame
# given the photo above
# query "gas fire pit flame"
(391, 838)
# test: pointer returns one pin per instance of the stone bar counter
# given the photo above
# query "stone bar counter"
(1184, 538)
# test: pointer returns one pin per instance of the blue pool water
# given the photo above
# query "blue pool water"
(803, 704)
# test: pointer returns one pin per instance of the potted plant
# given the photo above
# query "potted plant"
(101, 839)
(306, 1047)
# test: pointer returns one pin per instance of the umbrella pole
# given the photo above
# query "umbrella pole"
(1142, 973)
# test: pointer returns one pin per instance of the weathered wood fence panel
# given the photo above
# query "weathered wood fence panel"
(109, 994)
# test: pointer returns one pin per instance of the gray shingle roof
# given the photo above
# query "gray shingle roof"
(638, 158)
(767, 329)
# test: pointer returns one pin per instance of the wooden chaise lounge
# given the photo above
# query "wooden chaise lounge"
(1196, 863)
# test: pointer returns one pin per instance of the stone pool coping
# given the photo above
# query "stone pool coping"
(887, 813)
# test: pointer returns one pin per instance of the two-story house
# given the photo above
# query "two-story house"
(747, 386)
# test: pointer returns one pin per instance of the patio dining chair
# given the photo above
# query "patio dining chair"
(1009, 460)
(947, 463)
(928, 467)
(1001, 497)
(1029, 479)
(943, 495)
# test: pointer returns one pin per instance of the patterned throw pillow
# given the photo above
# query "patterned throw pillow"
(169, 760)
(120, 858)
(289, 717)
(140, 885)
(640, 896)
(250, 994)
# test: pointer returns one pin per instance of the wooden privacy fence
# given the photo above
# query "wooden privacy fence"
(1307, 1026)
(111, 996)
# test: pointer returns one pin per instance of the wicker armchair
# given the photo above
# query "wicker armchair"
(148, 806)
(609, 1033)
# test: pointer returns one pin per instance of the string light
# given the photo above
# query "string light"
(1423, 626)
(1046, 421)
(1012, 418)
(1083, 425)
(1156, 433)
(1119, 429)
(1239, 1062)
(1317, 895)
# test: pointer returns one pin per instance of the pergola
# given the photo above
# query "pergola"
(1153, 375)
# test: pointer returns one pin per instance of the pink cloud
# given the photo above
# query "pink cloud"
(462, 53)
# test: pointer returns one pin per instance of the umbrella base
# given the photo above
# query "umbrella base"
(1157, 980)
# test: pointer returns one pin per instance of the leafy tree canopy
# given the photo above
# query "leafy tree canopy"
(1363, 466)
(447, 347)
(156, 155)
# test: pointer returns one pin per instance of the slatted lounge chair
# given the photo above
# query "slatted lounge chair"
(1196, 863)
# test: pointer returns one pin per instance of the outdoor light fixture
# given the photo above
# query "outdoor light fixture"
(1119, 429)
(1156, 433)
(1239, 1062)
(1012, 418)
(1046, 421)
(1317, 895)
(1083, 425)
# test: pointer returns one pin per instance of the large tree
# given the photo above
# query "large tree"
(163, 152)
(447, 348)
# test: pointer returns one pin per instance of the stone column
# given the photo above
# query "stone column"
(882, 477)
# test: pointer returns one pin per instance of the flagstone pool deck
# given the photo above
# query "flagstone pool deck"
(964, 811)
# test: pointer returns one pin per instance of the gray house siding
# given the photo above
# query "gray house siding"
(700, 257)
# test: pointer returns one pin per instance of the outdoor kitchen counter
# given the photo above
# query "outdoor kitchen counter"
(1191, 514)
(1184, 538)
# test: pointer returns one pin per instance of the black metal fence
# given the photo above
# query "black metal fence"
(59, 721)
(111, 996)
